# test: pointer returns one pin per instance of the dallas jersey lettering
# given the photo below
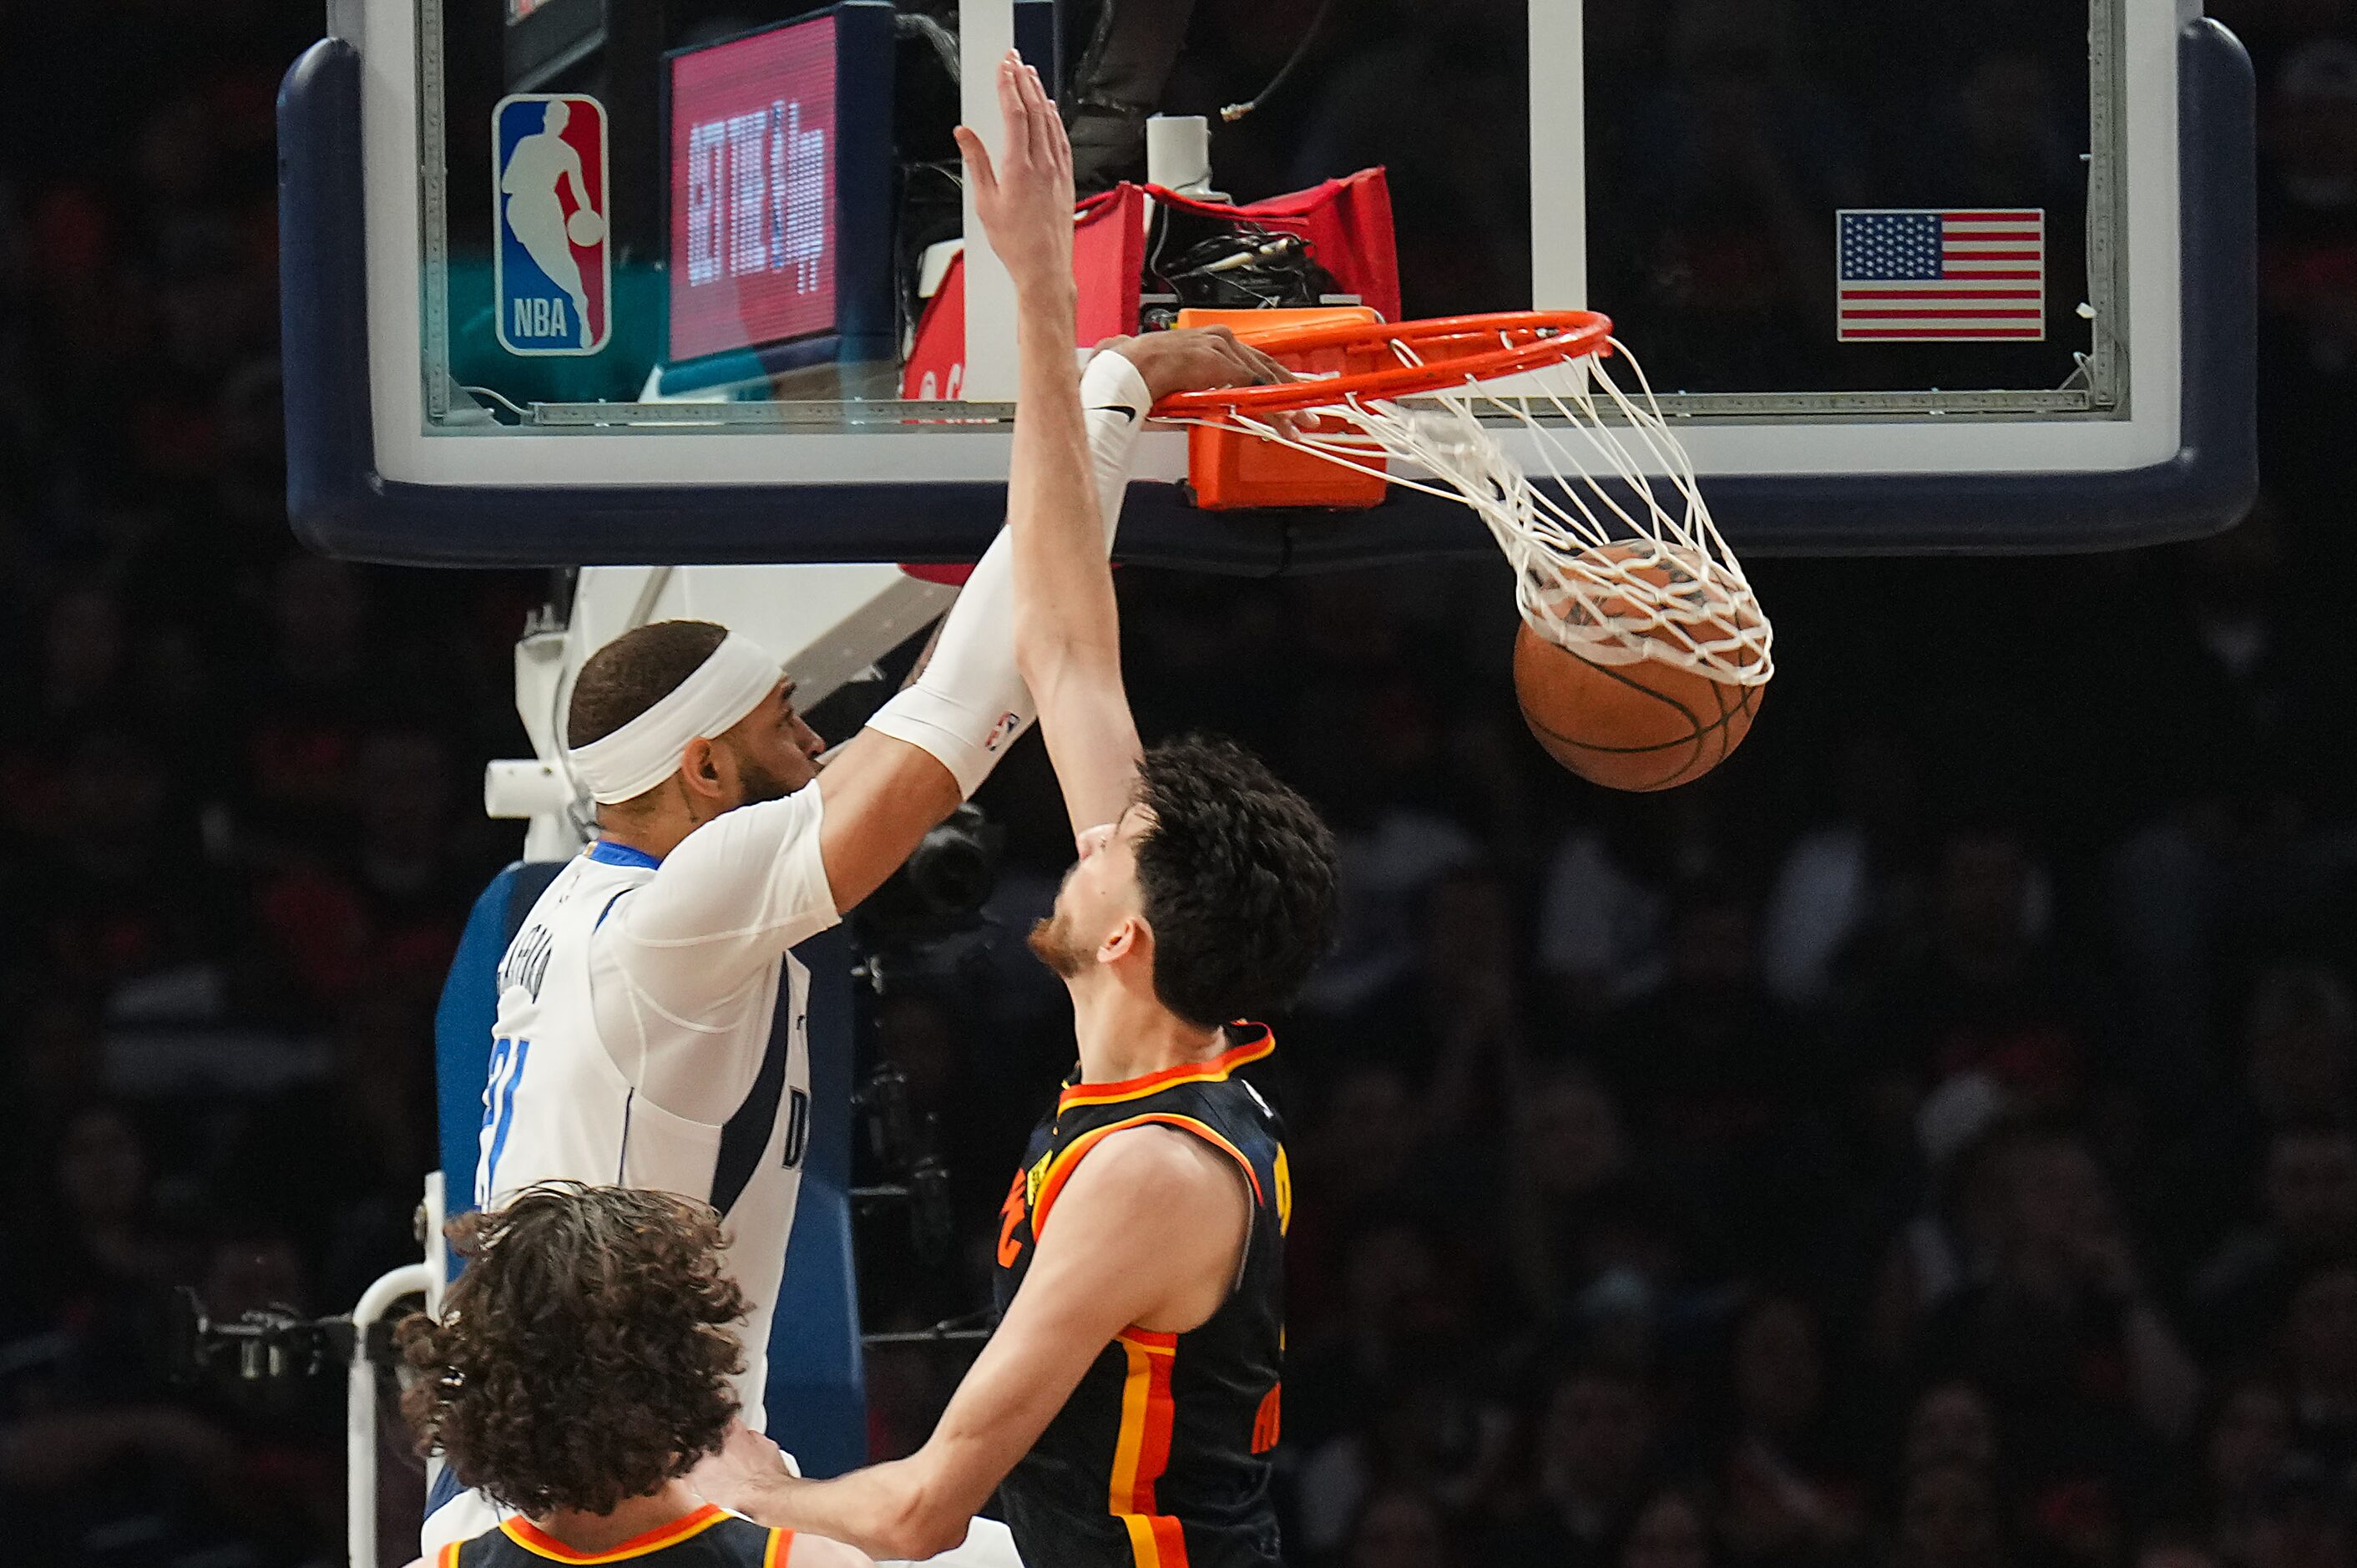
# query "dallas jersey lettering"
(708, 1537)
(1159, 1459)
(653, 1032)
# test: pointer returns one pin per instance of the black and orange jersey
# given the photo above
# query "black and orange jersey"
(1160, 1457)
(711, 1537)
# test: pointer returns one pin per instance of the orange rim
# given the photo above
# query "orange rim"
(1531, 339)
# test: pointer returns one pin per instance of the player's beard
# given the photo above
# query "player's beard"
(1052, 943)
(759, 783)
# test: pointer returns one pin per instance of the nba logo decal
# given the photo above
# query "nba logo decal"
(552, 268)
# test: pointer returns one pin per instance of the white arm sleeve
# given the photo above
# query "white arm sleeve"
(970, 704)
(681, 960)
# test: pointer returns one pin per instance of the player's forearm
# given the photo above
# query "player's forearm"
(882, 1510)
(1063, 597)
(1114, 400)
(1066, 633)
(925, 1504)
(969, 701)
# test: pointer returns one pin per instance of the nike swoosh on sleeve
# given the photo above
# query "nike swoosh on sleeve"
(1121, 408)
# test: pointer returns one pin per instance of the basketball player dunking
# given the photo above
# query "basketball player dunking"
(1125, 1405)
(650, 1029)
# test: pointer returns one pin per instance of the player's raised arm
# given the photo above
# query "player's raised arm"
(1067, 632)
(935, 742)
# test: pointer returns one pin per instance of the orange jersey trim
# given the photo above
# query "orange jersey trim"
(1212, 1071)
(1156, 1541)
(540, 1543)
(1010, 1215)
(1142, 1449)
(1268, 1420)
(449, 1556)
(782, 1546)
(1069, 1160)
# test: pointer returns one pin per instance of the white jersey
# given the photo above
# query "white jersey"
(653, 1032)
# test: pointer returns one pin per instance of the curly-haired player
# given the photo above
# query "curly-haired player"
(580, 1368)
(1126, 1407)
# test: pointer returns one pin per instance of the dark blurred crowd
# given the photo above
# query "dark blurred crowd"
(1928, 1142)
(237, 830)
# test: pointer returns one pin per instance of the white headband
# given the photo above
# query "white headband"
(643, 753)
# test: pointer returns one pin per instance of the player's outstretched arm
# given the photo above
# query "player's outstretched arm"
(937, 740)
(1066, 628)
(1095, 1272)
(1067, 632)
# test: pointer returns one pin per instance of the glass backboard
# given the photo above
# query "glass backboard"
(578, 280)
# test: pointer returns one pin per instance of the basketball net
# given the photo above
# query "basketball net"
(1615, 555)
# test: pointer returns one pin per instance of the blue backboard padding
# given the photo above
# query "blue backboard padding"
(817, 1395)
(340, 504)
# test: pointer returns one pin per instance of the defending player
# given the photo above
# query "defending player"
(581, 1365)
(652, 1023)
(1129, 1397)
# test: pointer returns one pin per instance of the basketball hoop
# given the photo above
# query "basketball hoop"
(1616, 559)
(1392, 361)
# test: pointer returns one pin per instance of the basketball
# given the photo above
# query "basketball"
(1645, 725)
(585, 227)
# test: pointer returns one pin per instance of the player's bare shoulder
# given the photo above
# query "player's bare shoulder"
(1176, 1171)
(1163, 1203)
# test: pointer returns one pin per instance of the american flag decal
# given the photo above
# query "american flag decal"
(1925, 276)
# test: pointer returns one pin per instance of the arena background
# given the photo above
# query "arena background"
(1928, 1142)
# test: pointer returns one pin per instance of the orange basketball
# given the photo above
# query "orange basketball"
(1649, 725)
